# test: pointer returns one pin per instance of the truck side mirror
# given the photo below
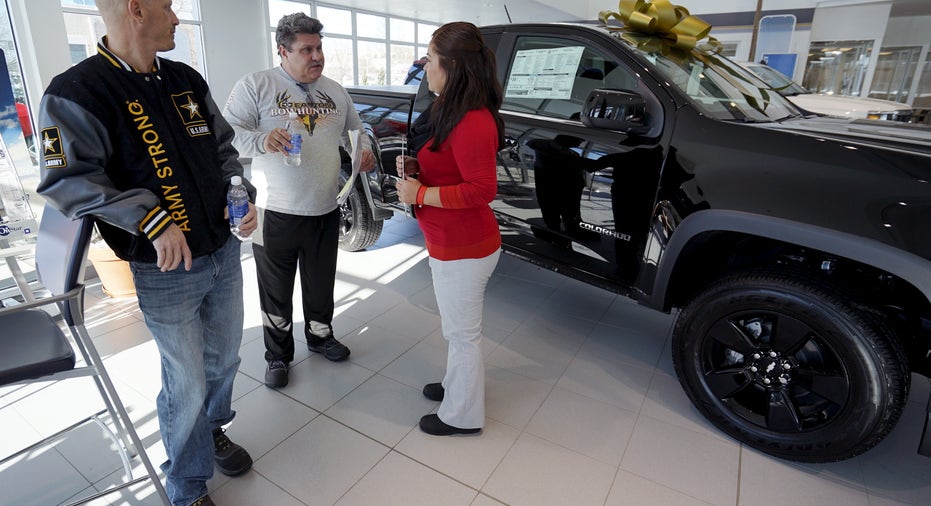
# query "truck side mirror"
(620, 110)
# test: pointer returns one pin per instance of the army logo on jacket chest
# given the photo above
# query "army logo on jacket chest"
(190, 113)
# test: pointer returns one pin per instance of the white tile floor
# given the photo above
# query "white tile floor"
(582, 408)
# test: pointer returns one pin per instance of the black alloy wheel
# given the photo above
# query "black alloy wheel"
(790, 366)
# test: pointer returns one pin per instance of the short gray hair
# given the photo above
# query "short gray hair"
(292, 24)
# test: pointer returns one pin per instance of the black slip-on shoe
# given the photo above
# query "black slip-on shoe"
(431, 424)
(434, 391)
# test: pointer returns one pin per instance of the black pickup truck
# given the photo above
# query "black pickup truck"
(795, 248)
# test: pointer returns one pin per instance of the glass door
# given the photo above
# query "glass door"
(895, 71)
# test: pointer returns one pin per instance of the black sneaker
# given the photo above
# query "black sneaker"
(332, 349)
(276, 376)
(204, 501)
(230, 458)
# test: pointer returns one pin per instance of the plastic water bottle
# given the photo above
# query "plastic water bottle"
(237, 200)
(293, 156)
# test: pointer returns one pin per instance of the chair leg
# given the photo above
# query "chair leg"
(120, 411)
(151, 474)
(92, 358)
(122, 450)
(131, 444)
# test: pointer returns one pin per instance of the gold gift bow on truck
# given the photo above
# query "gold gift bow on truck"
(660, 22)
(660, 26)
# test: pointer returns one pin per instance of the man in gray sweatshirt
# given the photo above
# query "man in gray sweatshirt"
(298, 214)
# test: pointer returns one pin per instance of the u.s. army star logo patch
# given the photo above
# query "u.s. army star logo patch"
(191, 114)
(52, 153)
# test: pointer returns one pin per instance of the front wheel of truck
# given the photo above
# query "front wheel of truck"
(790, 366)
(358, 228)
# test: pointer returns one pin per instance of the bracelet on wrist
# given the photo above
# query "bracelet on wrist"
(421, 194)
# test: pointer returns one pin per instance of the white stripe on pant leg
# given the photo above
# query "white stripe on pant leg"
(460, 294)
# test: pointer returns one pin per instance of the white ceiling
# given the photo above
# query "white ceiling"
(480, 12)
(487, 12)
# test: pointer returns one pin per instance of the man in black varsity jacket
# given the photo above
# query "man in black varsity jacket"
(137, 142)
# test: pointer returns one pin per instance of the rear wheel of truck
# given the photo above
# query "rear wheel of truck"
(790, 366)
(358, 229)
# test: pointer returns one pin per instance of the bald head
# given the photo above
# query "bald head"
(112, 10)
(118, 9)
(138, 29)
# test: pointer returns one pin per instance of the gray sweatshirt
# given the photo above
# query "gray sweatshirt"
(260, 102)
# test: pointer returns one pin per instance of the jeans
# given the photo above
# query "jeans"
(196, 318)
(459, 286)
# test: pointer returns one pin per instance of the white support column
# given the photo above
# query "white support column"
(43, 44)
(236, 41)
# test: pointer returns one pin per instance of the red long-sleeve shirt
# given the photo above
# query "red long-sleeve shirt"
(465, 170)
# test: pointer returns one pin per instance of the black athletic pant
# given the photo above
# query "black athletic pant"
(290, 242)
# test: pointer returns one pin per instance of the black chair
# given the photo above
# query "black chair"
(34, 347)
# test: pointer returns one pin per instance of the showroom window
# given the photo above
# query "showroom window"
(18, 166)
(360, 47)
(85, 28)
(338, 47)
(15, 117)
(837, 67)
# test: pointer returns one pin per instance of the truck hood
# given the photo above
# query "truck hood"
(845, 107)
(876, 133)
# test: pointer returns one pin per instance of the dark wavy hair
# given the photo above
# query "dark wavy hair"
(471, 82)
(292, 24)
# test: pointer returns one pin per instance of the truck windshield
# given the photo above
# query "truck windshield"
(777, 80)
(721, 88)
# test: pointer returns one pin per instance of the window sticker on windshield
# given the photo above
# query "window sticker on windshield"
(544, 73)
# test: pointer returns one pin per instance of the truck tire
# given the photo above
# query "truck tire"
(790, 366)
(358, 228)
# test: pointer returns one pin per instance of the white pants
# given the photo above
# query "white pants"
(460, 294)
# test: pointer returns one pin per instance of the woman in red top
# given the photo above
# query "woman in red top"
(456, 180)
